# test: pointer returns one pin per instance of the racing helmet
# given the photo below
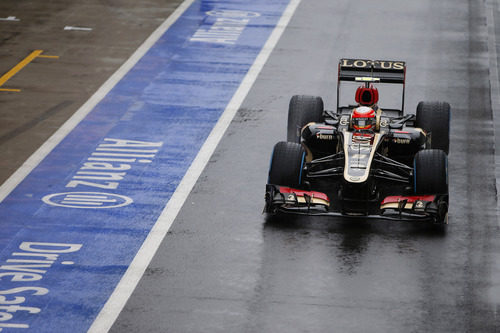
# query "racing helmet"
(366, 95)
(363, 118)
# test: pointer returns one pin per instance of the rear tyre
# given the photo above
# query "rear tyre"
(434, 118)
(302, 110)
(287, 163)
(430, 172)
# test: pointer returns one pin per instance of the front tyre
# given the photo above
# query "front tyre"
(430, 173)
(434, 118)
(303, 109)
(287, 163)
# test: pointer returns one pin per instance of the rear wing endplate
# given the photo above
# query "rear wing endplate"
(384, 71)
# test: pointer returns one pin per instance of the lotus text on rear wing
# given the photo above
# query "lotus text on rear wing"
(377, 64)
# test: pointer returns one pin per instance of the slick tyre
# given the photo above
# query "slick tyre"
(434, 119)
(302, 110)
(287, 163)
(431, 172)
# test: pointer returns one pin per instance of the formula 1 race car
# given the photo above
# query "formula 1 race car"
(362, 160)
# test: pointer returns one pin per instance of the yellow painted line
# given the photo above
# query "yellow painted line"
(13, 90)
(21, 65)
(47, 56)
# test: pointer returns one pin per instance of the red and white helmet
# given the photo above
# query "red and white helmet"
(366, 95)
(363, 118)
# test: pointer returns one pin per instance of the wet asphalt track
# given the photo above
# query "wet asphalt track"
(225, 267)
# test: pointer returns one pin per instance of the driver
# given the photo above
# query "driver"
(363, 118)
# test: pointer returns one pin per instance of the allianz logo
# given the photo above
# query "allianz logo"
(105, 169)
(89, 200)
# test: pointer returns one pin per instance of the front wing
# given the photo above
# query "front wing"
(398, 207)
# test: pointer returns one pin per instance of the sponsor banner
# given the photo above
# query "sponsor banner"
(73, 225)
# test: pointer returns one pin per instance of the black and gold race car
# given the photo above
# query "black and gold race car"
(363, 160)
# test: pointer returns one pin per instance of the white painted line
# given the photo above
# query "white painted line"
(134, 273)
(10, 18)
(35, 159)
(68, 27)
(494, 92)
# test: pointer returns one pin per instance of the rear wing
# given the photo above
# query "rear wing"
(367, 71)
(383, 71)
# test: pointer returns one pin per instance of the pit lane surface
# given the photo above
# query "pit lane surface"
(51, 90)
(130, 131)
(224, 267)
